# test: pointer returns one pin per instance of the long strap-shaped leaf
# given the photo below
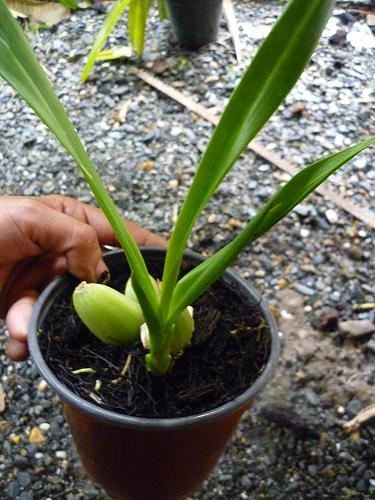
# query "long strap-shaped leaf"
(163, 11)
(20, 68)
(111, 19)
(137, 18)
(192, 285)
(271, 75)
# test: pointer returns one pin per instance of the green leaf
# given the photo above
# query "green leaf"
(192, 285)
(110, 20)
(272, 74)
(163, 10)
(20, 68)
(115, 53)
(72, 4)
(137, 18)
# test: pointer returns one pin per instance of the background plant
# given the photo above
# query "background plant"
(271, 75)
(138, 11)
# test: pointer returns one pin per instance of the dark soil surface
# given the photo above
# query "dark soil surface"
(230, 347)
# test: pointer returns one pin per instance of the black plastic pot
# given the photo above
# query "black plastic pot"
(149, 459)
(195, 22)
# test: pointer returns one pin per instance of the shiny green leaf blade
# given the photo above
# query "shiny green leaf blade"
(272, 74)
(163, 11)
(137, 19)
(192, 285)
(111, 19)
(20, 68)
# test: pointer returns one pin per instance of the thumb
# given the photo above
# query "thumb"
(17, 321)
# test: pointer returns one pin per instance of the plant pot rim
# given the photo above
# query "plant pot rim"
(112, 417)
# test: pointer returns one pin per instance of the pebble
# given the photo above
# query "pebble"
(304, 290)
(356, 328)
(331, 216)
(353, 408)
(36, 435)
(329, 319)
(24, 479)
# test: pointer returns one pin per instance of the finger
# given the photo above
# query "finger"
(17, 321)
(58, 233)
(95, 218)
(32, 274)
(145, 238)
(16, 350)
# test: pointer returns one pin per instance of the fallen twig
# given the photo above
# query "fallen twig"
(363, 416)
(230, 19)
(364, 307)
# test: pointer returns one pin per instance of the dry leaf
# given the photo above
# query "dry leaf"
(37, 11)
(120, 112)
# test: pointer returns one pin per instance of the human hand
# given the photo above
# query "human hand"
(41, 238)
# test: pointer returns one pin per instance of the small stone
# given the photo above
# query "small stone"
(36, 436)
(24, 478)
(339, 38)
(356, 327)
(159, 67)
(42, 386)
(14, 489)
(354, 252)
(21, 462)
(331, 216)
(305, 290)
(340, 410)
(281, 283)
(329, 473)
(329, 320)
(16, 439)
(312, 396)
(361, 486)
(173, 184)
(45, 426)
(353, 408)
(297, 108)
(312, 470)
(61, 454)
(176, 131)
(26, 495)
(370, 19)
(148, 165)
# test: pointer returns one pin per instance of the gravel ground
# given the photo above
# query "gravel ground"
(315, 268)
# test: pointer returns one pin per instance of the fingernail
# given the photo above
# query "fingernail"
(104, 278)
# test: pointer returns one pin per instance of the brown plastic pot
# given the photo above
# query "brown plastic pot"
(195, 22)
(149, 459)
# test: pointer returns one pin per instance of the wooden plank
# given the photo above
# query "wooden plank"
(231, 21)
(326, 190)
